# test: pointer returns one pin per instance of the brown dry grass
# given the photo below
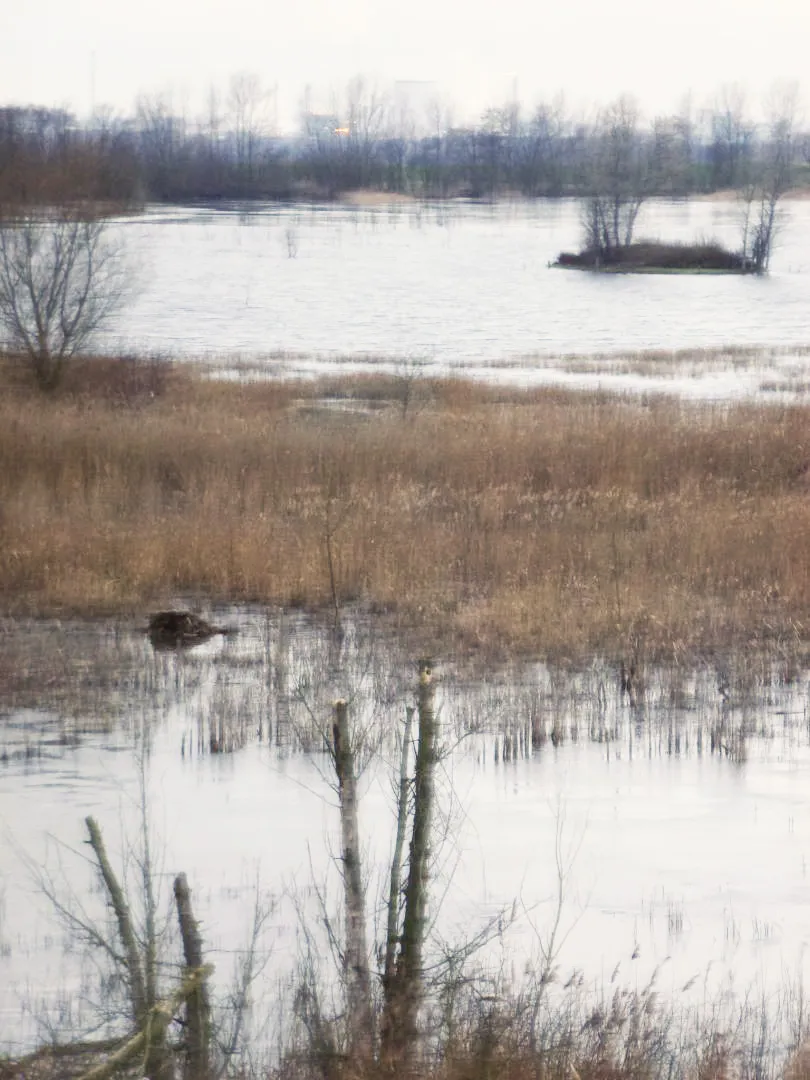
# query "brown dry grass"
(512, 522)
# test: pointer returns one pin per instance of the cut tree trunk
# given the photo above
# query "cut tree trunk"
(355, 959)
(198, 1009)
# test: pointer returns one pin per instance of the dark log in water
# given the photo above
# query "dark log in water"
(181, 630)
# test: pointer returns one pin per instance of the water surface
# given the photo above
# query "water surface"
(683, 821)
(450, 286)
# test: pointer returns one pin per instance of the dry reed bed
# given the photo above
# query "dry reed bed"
(538, 522)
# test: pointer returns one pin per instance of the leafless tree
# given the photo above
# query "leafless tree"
(440, 121)
(212, 122)
(542, 150)
(356, 971)
(769, 179)
(619, 179)
(351, 746)
(731, 138)
(162, 135)
(130, 947)
(363, 125)
(671, 150)
(400, 136)
(501, 130)
(144, 979)
(211, 127)
(364, 1025)
(63, 276)
(404, 985)
(249, 105)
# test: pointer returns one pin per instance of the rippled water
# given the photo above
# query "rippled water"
(685, 820)
(450, 285)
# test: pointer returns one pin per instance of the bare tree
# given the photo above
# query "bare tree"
(127, 949)
(768, 181)
(212, 122)
(356, 969)
(671, 151)
(501, 130)
(142, 982)
(364, 116)
(440, 122)
(162, 136)
(138, 962)
(211, 128)
(732, 136)
(350, 747)
(399, 137)
(541, 164)
(198, 1007)
(63, 275)
(249, 105)
(405, 988)
(619, 179)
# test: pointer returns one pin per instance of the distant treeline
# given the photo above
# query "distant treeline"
(157, 156)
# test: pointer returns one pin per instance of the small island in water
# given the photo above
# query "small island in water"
(654, 257)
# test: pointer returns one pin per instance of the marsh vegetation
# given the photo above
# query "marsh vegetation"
(670, 767)
(611, 587)
(650, 554)
(506, 522)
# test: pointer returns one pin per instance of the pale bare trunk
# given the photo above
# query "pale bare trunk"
(198, 1009)
(395, 886)
(126, 933)
(355, 959)
(156, 1060)
(405, 991)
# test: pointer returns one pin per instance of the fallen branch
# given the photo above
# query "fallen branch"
(158, 1020)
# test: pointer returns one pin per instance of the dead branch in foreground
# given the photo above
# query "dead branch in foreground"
(156, 1024)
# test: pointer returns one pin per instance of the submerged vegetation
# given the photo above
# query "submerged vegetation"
(492, 521)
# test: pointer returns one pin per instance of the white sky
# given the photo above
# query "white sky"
(54, 52)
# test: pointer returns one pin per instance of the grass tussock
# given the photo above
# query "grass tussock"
(536, 522)
(563, 1034)
(570, 1033)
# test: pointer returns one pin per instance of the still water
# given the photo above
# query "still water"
(682, 823)
(459, 286)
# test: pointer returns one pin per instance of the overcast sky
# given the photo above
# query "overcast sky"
(64, 52)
